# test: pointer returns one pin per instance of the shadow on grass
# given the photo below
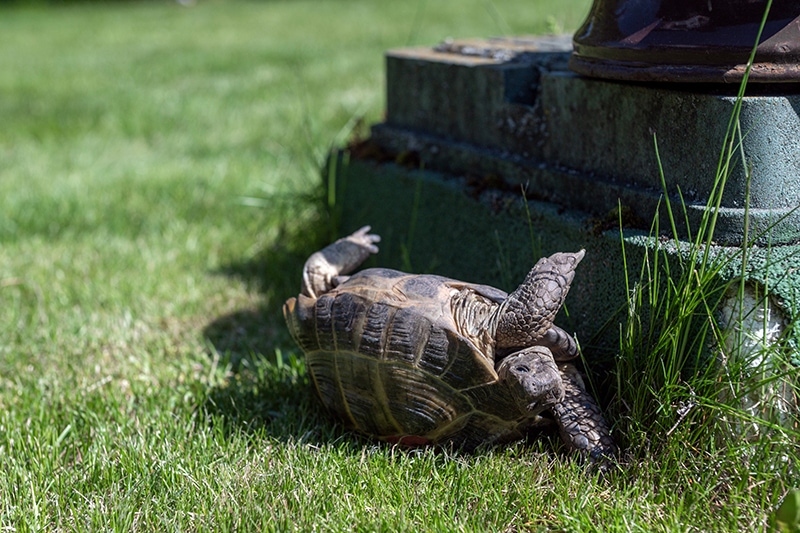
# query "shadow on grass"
(266, 390)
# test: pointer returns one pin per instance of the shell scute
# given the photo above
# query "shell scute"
(347, 313)
(323, 321)
(299, 314)
(364, 398)
(435, 359)
(424, 286)
(496, 401)
(374, 332)
(408, 335)
(419, 402)
(322, 368)
(378, 275)
(467, 367)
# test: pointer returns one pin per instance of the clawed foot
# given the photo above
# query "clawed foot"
(328, 266)
(363, 238)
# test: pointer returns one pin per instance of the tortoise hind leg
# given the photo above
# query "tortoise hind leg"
(561, 344)
(580, 422)
(333, 261)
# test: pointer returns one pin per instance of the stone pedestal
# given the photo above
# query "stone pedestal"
(493, 153)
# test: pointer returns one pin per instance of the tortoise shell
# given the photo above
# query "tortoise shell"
(387, 358)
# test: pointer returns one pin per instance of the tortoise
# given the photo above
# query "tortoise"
(423, 359)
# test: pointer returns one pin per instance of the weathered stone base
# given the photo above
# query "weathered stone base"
(511, 108)
(438, 223)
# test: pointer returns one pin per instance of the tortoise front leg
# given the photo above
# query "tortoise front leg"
(341, 257)
(580, 422)
(527, 314)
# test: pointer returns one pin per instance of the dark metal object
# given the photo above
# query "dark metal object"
(697, 41)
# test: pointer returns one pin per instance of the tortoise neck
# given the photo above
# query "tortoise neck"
(475, 317)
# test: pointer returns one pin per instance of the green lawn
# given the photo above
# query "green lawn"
(147, 381)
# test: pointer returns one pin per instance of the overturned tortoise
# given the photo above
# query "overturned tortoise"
(423, 359)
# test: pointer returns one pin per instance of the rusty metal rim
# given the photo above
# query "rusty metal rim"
(766, 72)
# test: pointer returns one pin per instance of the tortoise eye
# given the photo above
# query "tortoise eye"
(522, 368)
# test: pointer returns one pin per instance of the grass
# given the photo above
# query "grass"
(147, 381)
(692, 395)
